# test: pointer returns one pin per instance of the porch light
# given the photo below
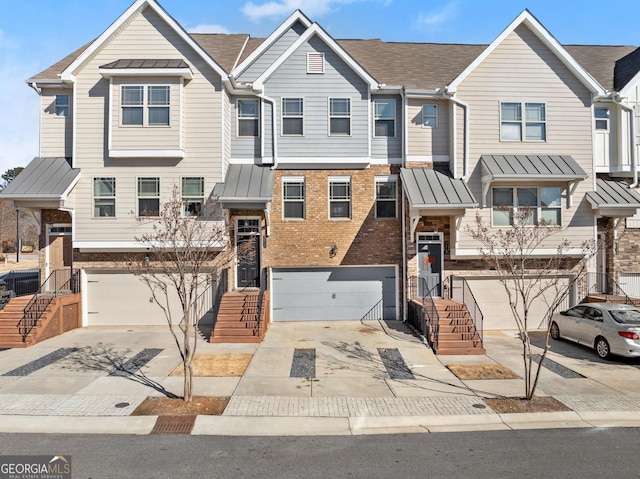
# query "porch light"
(333, 251)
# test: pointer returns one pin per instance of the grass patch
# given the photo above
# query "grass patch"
(217, 365)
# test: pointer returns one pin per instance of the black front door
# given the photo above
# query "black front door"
(248, 253)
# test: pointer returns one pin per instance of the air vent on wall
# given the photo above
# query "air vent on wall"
(315, 62)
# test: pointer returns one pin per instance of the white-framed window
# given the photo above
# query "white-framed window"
(192, 196)
(104, 197)
(386, 196)
(248, 117)
(429, 116)
(602, 119)
(293, 197)
(148, 190)
(544, 203)
(155, 100)
(340, 197)
(339, 116)
(523, 121)
(384, 116)
(62, 104)
(293, 116)
(315, 62)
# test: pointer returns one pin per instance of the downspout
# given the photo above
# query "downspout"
(632, 139)
(405, 303)
(405, 133)
(274, 137)
(465, 153)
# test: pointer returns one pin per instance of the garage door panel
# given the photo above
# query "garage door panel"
(117, 299)
(346, 293)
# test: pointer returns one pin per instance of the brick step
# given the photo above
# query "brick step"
(444, 351)
(237, 311)
(225, 333)
(14, 337)
(235, 325)
(236, 339)
(458, 343)
(455, 322)
(452, 336)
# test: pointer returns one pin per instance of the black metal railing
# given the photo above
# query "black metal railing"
(59, 283)
(423, 314)
(375, 313)
(263, 289)
(460, 291)
(602, 283)
(21, 282)
(432, 318)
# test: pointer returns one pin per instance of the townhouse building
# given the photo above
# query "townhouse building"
(349, 166)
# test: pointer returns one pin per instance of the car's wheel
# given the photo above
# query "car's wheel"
(555, 331)
(602, 347)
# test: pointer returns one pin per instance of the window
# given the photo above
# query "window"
(516, 127)
(293, 197)
(384, 114)
(340, 116)
(339, 197)
(62, 105)
(292, 116)
(148, 196)
(545, 205)
(248, 118)
(192, 196)
(386, 197)
(133, 105)
(602, 118)
(315, 62)
(104, 197)
(429, 116)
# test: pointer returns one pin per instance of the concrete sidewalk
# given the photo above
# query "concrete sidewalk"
(309, 378)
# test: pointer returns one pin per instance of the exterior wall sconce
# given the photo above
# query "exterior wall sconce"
(147, 259)
(333, 251)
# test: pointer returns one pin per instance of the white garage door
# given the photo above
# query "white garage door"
(121, 299)
(494, 304)
(630, 284)
(346, 293)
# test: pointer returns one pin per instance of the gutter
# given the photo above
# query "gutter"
(274, 138)
(465, 153)
(632, 134)
(34, 85)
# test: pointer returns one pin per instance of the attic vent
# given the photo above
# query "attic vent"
(315, 62)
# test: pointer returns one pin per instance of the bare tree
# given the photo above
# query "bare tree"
(529, 277)
(186, 248)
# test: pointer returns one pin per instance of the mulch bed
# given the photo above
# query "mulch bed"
(468, 372)
(523, 405)
(216, 365)
(200, 405)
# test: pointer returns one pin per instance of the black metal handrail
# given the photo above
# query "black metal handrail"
(263, 288)
(432, 318)
(375, 313)
(464, 295)
(608, 285)
(59, 283)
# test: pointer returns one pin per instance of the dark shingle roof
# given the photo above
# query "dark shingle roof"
(626, 68)
(600, 61)
(224, 48)
(52, 72)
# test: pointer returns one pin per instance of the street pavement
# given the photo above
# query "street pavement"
(305, 378)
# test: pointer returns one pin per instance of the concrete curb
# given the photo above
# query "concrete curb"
(77, 425)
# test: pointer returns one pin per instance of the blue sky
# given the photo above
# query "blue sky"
(36, 33)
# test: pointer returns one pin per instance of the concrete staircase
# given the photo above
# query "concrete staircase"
(456, 331)
(236, 321)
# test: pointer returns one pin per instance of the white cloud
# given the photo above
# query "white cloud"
(209, 28)
(282, 8)
(436, 18)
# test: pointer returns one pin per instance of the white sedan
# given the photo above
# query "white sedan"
(609, 328)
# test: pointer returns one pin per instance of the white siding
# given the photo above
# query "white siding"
(523, 69)
(145, 35)
(56, 132)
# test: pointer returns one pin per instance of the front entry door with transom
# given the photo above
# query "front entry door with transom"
(248, 253)
(430, 265)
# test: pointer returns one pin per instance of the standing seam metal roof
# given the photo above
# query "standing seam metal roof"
(434, 189)
(613, 194)
(562, 167)
(246, 182)
(42, 178)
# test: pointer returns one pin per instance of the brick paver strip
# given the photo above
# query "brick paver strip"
(67, 404)
(352, 406)
(42, 362)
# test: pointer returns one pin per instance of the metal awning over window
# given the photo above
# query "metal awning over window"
(155, 67)
(434, 192)
(246, 187)
(613, 198)
(526, 168)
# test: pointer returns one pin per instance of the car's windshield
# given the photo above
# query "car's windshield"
(626, 315)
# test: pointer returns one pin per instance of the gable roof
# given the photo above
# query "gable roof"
(316, 30)
(226, 48)
(527, 19)
(139, 6)
(43, 178)
(601, 61)
(248, 59)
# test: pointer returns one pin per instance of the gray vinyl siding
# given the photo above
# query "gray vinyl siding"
(201, 129)
(269, 56)
(338, 81)
(243, 147)
(425, 143)
(383, 147)
(267, 132)
(56, 132)
(523, 69)
(226, 154)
